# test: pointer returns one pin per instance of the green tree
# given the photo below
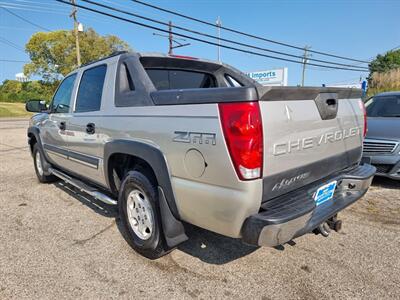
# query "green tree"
(15, 91)
(53, 54)
(11, 87)
(384, 63)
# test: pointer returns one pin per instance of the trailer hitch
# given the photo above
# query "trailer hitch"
(330, 224)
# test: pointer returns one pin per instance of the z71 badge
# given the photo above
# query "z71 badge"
(195, 137)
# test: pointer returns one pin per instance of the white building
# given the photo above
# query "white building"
(275, 77)
(21, 77)
(355, 85)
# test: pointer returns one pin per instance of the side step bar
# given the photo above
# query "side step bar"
(83, 187)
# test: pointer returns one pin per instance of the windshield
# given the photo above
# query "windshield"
(383, 106)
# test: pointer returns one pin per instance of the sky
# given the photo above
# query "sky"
(351, 28)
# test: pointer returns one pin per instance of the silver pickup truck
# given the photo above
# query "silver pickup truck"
(176, 139)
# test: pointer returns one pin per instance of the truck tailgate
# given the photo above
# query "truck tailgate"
(306, 137)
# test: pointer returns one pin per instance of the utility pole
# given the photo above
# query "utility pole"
(76, 30)
(219, 24)
(305, 61)
(172, 39)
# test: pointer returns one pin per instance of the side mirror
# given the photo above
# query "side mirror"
(36, 105)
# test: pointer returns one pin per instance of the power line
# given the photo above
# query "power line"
(16, 28)
(33, 9)
(34, 4)
(22, 18)
(395, 48)
(217, 38)
(203, 41)
(36, 11)
(11, 44)
(16, 61)
(244, 33)
(40, 9)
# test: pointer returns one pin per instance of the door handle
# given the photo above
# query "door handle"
(331, 102)
(90, 128)
(62, 126)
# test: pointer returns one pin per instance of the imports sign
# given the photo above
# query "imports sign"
(276, 77)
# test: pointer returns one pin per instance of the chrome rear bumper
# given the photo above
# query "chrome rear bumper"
(295, 214)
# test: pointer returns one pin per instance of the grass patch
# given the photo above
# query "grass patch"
(10, 110)
(384, 82)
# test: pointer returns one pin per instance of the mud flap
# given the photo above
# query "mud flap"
(174, 232)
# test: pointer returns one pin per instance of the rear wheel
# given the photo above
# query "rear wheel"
(140, 215)
(38, 162)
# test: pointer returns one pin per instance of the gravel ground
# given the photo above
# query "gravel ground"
(55, 243)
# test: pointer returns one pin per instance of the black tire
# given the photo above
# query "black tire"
(154, 245)
(42, 175)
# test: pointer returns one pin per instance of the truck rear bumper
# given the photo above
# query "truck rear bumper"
(294, 214)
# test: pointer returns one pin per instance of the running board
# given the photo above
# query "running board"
(83, 187)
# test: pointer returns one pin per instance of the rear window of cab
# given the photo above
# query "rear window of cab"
(170, 79)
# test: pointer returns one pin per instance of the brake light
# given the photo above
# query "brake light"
(362, 107)
(242, 128)
(183, 57)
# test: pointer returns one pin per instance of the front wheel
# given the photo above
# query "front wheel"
(38, 162)
(140, 215)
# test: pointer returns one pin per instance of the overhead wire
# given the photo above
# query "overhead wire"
(246, 34)
(24, 19)
(212, 36)
(200, 40)
(11, 44)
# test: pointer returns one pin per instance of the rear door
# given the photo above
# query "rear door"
(309, 134)
(85, 142)
(54, 131)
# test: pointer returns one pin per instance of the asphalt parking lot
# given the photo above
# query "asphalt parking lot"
(55, 243)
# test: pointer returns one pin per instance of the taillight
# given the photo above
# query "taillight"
(242, 127)
(184, 57)
(362, 107)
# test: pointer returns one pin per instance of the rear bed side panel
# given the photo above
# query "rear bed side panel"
(210, 196)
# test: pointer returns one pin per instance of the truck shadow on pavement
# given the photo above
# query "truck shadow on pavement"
(205, 245)
(213, 248)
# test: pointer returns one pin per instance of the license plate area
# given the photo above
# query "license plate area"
(325, 193)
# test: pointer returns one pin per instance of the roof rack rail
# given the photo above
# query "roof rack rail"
(115, 53)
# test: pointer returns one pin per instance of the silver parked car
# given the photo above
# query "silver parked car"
(382, 143)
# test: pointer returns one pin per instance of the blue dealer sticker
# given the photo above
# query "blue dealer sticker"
(325, 193)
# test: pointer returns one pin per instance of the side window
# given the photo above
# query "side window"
(62, 98)
(91, 89)
(125, 80)
(232, 82)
